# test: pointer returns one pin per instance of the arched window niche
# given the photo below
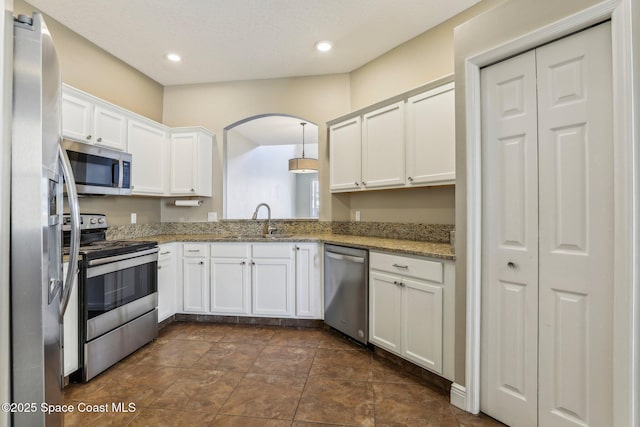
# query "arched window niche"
(257, 150)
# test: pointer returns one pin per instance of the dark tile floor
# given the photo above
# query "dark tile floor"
(233, 375)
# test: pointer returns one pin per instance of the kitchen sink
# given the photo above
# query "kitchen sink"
(263, 236)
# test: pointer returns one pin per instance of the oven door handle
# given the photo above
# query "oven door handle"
(107, 260)
(74, 246)
(112, 264)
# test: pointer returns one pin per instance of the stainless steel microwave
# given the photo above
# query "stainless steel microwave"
(99, 170)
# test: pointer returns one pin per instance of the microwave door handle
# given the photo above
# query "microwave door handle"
(74, 247)
(121, 173)
(115, 173)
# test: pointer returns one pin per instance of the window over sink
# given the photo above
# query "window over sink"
(256, 159)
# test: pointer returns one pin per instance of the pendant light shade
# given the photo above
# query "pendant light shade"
(303, 164)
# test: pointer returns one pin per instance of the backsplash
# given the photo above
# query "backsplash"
(438, 233)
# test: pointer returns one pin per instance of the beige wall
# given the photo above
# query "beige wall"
(91, 69)
(414, 63)
(219, 105)
(507, 21)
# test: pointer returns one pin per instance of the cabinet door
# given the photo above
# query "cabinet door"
(205, 164)
(70, 325)
(431, 145)
(166, 281)
(110, 127)
(230, 290)
(183, 174)
(272, 287)
(308, 288)
(196, 281)
(345, 152)
(76, 118)
(385, 305)
(383, 147)
(422, 323)
(148, 146)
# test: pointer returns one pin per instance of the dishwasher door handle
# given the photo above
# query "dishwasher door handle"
(341, 257)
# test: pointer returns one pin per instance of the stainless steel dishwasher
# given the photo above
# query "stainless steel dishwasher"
(346, 290)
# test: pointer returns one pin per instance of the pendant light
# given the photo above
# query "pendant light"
(302, 164)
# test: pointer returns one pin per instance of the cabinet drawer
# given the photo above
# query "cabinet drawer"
(413, 267)
(272, 250)
(195, 250)
(166, 252)
(229, 250)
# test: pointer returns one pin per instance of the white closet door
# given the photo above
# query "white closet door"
(509, 356)
(576, 229)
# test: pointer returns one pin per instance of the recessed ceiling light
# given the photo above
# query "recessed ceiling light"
(324, 46)
(173, 57)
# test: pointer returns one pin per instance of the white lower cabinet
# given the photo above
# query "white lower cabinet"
(230, 278)
(195, 277)
(411, 309)
(167, 280)
(308, 286)
(385, 307)
(278, 279)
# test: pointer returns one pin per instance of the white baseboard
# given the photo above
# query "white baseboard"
(459, 396)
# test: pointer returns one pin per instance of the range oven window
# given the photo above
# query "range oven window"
(113, 289)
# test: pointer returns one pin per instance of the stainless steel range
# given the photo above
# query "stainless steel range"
(117, 293)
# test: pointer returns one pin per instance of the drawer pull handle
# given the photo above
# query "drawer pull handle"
(242, 263)
(165, 253)
(159, 267)
(400, 266)
(193, 250)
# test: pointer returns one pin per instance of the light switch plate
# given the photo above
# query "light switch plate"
(134, 217)
(212, 216)
(357, 215)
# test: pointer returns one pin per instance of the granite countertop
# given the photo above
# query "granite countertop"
(410, 247)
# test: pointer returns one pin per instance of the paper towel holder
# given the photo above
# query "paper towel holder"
(188, 203)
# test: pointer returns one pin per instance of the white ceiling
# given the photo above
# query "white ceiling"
(225, 40)
(277, 130)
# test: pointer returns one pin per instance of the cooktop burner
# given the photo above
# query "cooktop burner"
(93, 242)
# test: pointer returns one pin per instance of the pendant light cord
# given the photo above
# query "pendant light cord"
(303, 125)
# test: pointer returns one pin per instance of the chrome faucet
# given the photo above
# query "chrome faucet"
(268, 229)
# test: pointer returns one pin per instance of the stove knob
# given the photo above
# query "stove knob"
(100, 220)
(93, 220)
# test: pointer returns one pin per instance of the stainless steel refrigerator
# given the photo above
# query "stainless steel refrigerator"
(39, 167)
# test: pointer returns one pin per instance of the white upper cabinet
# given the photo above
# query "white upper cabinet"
(383, 147)
(431, 156)
(345, 142)
(87, 119)
(191, 161)
(109, 127)
(165, 161)
(149, 148)
(76, 117)
(406, 143)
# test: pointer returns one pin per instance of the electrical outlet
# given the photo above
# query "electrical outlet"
(134, 217)
(357, 215)
(212, 216)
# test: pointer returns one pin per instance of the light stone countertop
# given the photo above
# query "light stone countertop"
(409, 247)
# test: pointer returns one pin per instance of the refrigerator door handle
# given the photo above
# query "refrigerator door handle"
(74, 210)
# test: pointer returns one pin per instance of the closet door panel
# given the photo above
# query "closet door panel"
(510, 241)
(576, 229)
